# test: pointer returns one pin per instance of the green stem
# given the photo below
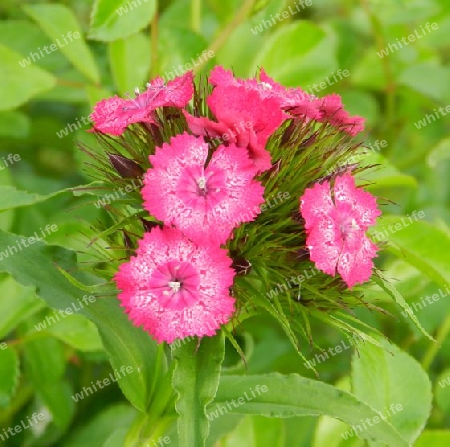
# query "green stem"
(441, 335)
(225, 34)
(390, 81)
(196, 15)
(154, 45)
(158, 365)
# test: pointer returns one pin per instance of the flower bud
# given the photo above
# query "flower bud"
(125, 167)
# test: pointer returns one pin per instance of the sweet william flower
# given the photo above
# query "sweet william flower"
(296, 101)
(336, 228)
(175, 288)
(205, 199)
(245, 116)
(332, 111)
(113, 115)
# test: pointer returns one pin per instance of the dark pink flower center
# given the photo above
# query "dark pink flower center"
(348, 226)
(198, 185)
(175, 284)
(143, 100)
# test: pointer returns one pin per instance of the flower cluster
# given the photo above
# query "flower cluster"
(205, 181)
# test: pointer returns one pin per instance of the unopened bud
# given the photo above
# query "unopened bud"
(125, 167)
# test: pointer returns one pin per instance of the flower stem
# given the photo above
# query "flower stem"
(223, 36)
(196, 15)
(154, 45)
(441, 335)
(390, 81)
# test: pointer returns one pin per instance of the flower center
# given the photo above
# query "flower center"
(201, 182)
(175, 284)
(348, 227)
(201, 188)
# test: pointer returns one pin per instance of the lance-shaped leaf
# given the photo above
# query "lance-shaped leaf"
(126, 345)
(195, 379)
(275, 395)
(61, 25)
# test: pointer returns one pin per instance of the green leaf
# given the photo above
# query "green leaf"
(57, 397)
(268, 432)
(329, 431)
(9, 374)
(179, 47)
(437, 86)
(11, 197)
(434, 438)
(24, 37)
(222, 426)
(442, 391)
(117, 438)
(195, 380)
(77, 331)
(117, 19)
(297, 54)
(99, 428)
(430, 253)
(96, 94)
(368, 71)
(385, 378)
(125, 344)
(61, 25)
(19, 84)
(130, 62)
(389, 288)
(44, 361)
(17, 304)
(439, 153)
(14, 124)
(387, 175)
(239, 49)
(275, 395)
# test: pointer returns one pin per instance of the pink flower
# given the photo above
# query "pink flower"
(327, 109)
(296, 101)
(247, 111)
(293, 100)
(244, 119)
(114, 115)
(336, 230)
(265, 86)
(205, 200)
(332, 111)
(175, 288)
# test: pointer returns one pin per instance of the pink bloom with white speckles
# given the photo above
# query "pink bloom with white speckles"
(113, 115)
(175, 288)
(336, 230)
(204, 201)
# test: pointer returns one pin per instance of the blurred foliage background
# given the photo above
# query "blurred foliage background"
(44, 109)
